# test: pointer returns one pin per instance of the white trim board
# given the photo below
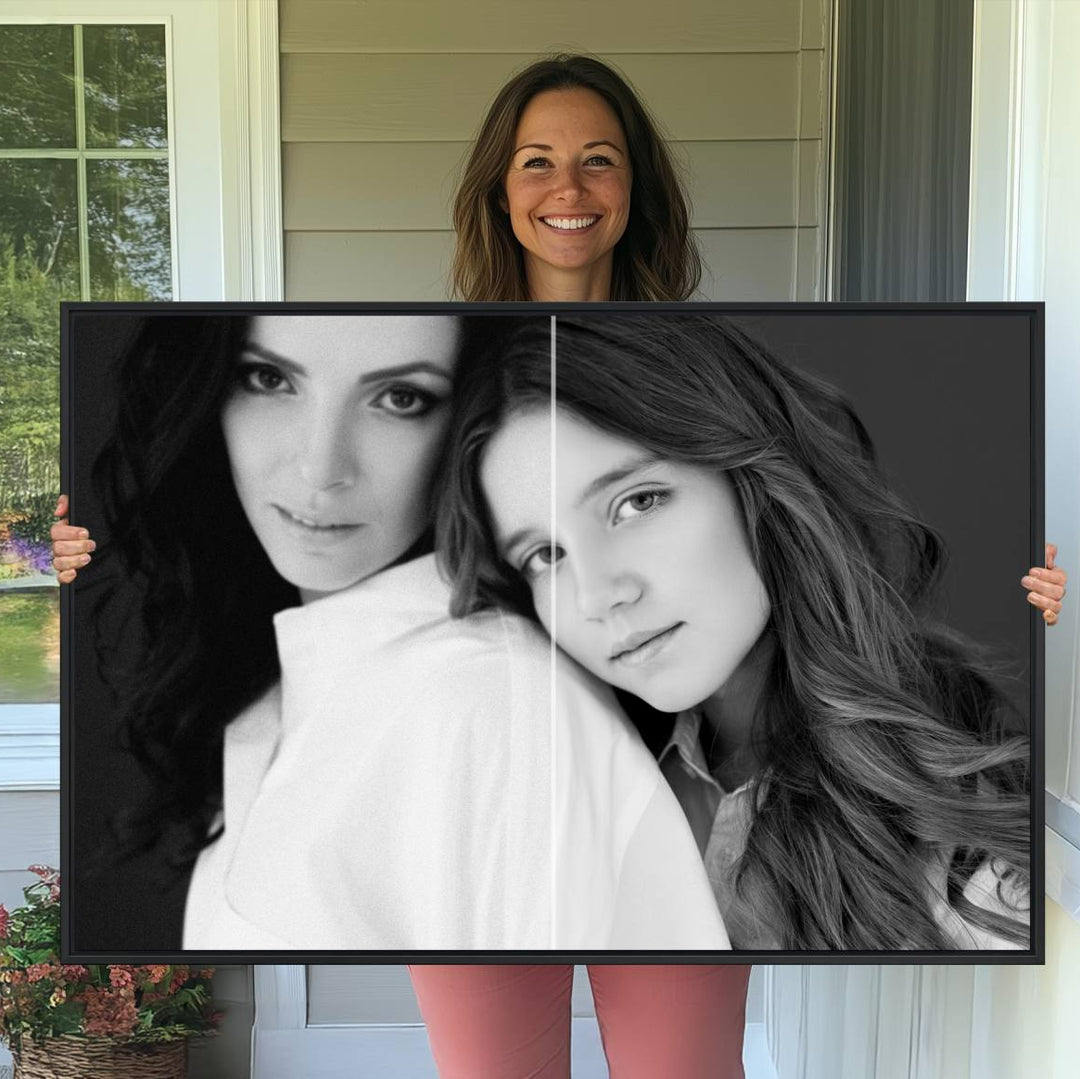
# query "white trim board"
(254, 236)
(30, 747)
(1063, 871)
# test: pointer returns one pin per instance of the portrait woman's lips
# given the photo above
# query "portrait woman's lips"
(642, 647)
(321, 531)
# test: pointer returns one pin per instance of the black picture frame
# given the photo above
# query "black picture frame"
(951, 389)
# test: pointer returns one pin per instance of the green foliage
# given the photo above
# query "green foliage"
(42, 998)
(29, 644)
(36, 68)
(125, 77)
(125, 224)
(29, 378)
(127, 220)
(33, 515)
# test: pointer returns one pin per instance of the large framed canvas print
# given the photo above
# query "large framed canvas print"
(615, 632)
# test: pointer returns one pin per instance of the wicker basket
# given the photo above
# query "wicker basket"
(80, 1057)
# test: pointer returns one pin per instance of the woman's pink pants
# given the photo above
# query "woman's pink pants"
(513, 1022)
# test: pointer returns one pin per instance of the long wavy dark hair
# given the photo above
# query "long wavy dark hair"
(888, 750)
(655, 259)
(207, 592)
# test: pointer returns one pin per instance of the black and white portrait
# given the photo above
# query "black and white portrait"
(468, 630)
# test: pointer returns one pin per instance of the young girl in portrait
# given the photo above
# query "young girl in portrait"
(715, 541)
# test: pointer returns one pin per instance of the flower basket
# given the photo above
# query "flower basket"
(69, 1021)
(72, 1056)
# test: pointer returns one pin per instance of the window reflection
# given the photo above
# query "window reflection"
(84, 213)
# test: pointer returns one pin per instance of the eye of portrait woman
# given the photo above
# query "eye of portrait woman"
(333, 428)
(643, 574)
(567, 187)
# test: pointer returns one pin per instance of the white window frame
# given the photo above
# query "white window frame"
(225, 213)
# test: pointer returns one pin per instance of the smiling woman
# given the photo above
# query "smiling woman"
(570, 193)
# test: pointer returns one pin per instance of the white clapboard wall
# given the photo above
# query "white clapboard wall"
(380, 100)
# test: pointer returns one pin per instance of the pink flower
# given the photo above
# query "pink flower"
(108, 1012)
(74, 973)
(37, 971)
(46, 872)
(180, 975)
(156, 971)
(5, 920)
(120, 976)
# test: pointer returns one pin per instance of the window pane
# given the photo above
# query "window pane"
(29, 645)
(39, 264)
(129, 230)
(39, 222)
(37, 102)
(124, 68)
(127, 221)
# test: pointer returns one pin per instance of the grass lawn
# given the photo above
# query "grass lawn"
(29, 645)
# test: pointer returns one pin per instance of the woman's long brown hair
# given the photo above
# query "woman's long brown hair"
(655, 259)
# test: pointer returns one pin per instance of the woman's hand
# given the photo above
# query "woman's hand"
(71, 546)
(1046, 586)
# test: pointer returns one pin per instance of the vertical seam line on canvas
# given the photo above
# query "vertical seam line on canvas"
(554, 726)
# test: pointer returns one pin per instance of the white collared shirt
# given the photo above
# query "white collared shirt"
(720, 821)
(423, 782)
